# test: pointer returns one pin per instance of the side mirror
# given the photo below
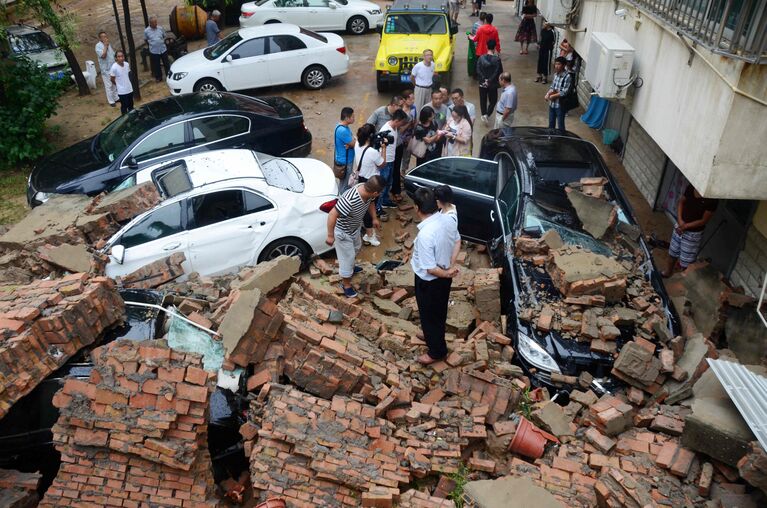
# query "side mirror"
(118, 254)
(332, 5)
(131, 162)
(228, 58)
(453, 29)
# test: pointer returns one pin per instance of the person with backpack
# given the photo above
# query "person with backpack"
(343, 153)
(489, 69)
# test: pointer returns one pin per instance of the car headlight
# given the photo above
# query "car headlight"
(374, 11)
(535, 354)
(42, 197)
(178, 75)
(392, 60)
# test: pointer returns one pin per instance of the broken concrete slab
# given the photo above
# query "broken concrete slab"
(576, 272)
(637, 365)
(701, 286)
(72, 258)
(509, 492)
(268, 275)
(46, 224)
(553, 419)
(715, 426)
(239, 318)
(692, 363)
(597, 215)
(746, 335)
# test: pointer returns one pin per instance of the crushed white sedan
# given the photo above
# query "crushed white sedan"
(225, 210)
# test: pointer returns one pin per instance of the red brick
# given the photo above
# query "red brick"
(704, 481)
(332, 345)
(258, 379)
(398, 295)
(88, 437)
(666, 456)
(191, 392)
(566, 465)
(196, 376)
(173, 375)
(682, 462)
(154, 353)
(109, 397)
(487, 466)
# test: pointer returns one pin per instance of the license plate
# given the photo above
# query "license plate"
(405, 78)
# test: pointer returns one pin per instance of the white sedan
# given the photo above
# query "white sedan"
(261, 56)
(228, 209)
(355, 16)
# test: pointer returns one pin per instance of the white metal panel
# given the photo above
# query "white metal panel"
(748, 392)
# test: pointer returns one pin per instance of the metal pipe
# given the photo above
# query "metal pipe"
(174, 314)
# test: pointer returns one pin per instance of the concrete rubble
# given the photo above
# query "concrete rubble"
(339, 414)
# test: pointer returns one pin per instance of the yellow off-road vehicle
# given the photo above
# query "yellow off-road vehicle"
(410, 27)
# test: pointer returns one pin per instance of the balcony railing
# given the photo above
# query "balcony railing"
(734, 28)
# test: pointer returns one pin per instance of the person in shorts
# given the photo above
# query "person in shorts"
(693, 213)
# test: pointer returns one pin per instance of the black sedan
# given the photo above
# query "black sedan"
(168, 129)
(518, 188)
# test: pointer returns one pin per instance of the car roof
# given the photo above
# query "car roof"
(21, 29)
(269, 29)
(420, 5)
(221, 165)
(205, 102)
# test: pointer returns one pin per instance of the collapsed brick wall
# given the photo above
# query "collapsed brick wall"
(44, 323)
(135, 433)
(18, 490)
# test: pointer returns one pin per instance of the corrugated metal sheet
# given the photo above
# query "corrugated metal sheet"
(749, 393)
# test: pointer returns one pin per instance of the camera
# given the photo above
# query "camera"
(382, 138)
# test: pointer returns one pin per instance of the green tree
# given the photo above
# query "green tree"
(53, 14)
(29, 97)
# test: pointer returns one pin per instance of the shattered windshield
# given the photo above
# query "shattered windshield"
(536, 217)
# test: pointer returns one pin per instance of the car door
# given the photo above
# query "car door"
(157, 235)
(289, 11)
(227, 229)
(473, 182)
(322, 16)
(171, 141)
(286, 58)
(219, 131)
(245, 65)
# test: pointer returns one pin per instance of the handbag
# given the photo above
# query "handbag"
(417, 147)
(354, 177)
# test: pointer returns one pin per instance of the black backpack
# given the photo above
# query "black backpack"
(570, 99)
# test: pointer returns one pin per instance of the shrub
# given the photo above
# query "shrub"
(28, 97)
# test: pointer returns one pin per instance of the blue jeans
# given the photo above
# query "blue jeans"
(387, 172)
(557, 115)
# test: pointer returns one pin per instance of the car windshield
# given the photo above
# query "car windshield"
(31, 43)
(281, 174)
(537, 217)
(223, 46)
(121, 133)
(415, 24)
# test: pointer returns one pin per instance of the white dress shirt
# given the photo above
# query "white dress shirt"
(434, 245)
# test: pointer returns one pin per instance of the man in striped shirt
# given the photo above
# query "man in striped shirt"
(345, 222)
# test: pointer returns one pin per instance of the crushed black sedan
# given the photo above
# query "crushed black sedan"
(519, 189)
(167, 129)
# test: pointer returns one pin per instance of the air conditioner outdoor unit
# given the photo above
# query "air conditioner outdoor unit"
(608, 66)
(555, 11)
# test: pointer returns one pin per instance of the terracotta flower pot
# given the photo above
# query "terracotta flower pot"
(529, 440)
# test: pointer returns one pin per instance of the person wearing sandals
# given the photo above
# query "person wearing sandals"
(526, 32)
(545, 48)
(344, 223)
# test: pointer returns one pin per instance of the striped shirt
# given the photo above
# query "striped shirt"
(351, 210)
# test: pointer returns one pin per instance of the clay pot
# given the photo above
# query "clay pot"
(272, 503)
(529, 440)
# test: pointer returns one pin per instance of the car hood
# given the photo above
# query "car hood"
(49, 58)
(318, 177)
(60, 169)
(413, 45)
(191, 61)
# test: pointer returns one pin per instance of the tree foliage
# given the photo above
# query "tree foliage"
(28, 97)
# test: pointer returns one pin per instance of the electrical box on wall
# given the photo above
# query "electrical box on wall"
(609, 63)
(555, 11)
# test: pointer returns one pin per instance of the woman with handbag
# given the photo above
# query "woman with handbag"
(424, 144)
(367, 164)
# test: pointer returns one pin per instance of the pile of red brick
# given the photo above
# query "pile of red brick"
(155, 273)
(135, 433)
(18, 490)
(44, 323)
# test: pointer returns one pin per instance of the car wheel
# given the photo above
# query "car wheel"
(315, 77)
(380, 84)
(208, 85)
(286, 247)
(357, 25)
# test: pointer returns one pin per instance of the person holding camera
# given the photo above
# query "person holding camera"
(368, 162)
(387, 136)
(458, 133)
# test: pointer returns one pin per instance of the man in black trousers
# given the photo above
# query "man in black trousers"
(433, 253)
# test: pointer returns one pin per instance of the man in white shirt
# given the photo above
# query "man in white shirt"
(106, 57)
(398, 119)
(507, 104)
(119, 74)
(422, 77)
(432, 265)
